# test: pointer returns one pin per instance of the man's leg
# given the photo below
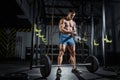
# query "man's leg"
(73, 59)
(60, 57)
(72, 56)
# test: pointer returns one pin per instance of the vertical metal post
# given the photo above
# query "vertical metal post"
(92, 30)
(52, 27)
(37, 23)
(48, 39)
(32, 38)
(103, 32)
(36, 43)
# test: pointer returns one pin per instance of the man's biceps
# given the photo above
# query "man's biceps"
(62, 23)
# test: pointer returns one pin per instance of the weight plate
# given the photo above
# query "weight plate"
(45, 71)
(94, 64)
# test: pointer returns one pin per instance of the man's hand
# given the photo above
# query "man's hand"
(73, 33)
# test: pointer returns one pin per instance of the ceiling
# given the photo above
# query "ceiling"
(50, 11)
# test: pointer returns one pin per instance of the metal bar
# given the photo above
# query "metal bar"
(32, 41)
(52, 25)
(92, 30)
(103, 32)
(36, 44)
(82, 64)
(38, 66)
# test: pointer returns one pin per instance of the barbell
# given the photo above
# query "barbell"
(91, 63)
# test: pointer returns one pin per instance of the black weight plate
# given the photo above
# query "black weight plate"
(94, 64)
(45, 71)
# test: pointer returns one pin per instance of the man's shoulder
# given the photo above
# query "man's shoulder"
(62, 19)
(73, 21)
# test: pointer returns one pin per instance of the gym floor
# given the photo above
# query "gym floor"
(34, 74)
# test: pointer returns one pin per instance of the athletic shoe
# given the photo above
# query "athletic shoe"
(76, 71)
(59, 71)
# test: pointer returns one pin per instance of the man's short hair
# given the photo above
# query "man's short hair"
(71, 10)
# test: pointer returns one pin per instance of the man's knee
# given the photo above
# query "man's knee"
(73, 53)
(61, 53)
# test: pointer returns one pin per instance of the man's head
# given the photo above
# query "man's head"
(71, 14)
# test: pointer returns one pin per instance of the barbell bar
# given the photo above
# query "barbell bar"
(81, 64)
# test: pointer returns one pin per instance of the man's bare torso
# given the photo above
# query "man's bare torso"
(68, 25)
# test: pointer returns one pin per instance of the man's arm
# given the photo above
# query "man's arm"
(62, 27)
(75, 29)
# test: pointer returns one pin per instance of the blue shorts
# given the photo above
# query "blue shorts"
(66, 39)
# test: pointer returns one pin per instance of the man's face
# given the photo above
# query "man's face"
(71, 15)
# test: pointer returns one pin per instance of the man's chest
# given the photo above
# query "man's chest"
(69, 24)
